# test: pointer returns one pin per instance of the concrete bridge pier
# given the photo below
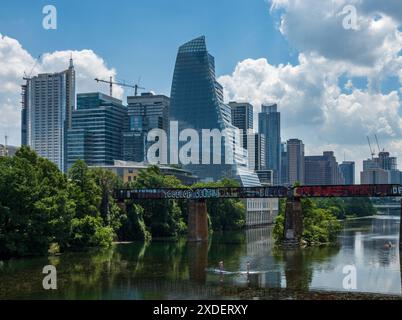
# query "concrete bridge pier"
(400, 233)
(197, 221)
(293, 227)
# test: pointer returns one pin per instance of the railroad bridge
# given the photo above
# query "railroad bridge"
(293, 225)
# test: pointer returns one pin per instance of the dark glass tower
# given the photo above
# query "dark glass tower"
(197, 103)
(269, 123)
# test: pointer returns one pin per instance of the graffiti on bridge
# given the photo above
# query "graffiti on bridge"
(202, 193)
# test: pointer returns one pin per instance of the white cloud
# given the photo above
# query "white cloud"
(15, 60)
(314, 107)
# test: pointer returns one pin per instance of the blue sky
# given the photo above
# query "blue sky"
(140, 38)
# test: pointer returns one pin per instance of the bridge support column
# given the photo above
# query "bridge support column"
(293, 228)
(400, 231)
(197, 220)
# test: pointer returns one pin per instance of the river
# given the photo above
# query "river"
(252, 268)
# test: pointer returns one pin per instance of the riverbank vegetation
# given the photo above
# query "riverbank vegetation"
(43, 209)
(321, 218)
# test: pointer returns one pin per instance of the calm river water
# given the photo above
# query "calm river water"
(181, 270)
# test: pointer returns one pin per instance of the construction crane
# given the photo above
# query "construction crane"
(136, 87)
(371, 149)
(378, 145)
(29, 76)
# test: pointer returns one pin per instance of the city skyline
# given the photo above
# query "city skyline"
(329, 102)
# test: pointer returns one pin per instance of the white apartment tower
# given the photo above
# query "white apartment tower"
(47, 103)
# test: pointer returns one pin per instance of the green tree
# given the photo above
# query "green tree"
(163, 218)
(84, 191)
(225, 214)
(133, 225)
(320, 224)
(35, 209)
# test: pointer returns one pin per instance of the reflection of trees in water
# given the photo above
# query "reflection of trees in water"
(299, 264)
(229, 248)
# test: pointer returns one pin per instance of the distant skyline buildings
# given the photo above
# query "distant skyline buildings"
(145, 112)
(48, 100)
(382, 169)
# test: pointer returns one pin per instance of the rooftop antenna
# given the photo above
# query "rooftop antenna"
(5, 144)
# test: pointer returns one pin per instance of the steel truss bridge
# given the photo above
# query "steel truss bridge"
(293, 222)
(348, 191)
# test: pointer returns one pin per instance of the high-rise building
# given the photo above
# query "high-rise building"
(47, 104)
(348, 172)
(266, 177)
(256, 151)
(197, 103)
(375, 176)
(242, 118)
(295, 154)
(322, 170)
(96, 131)
(386, 162)
(284, 164)
(395, 177)
(7, 151)
(145, 113)
(269, 122)
(377, 169)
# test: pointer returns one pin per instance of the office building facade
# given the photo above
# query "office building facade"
(322, 170)
(347, 169)
(375, 176)
(96, 131)
(47, 104)
(296, 164)
(243, 118)
(269, 123)
(256, 151)
(284, 164)
(144, 113)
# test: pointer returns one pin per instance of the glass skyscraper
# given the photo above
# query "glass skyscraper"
(242, 118)
(47, 103)
(197, 103)
(348, 171)
(269, 124)
(96, 132)
(145, 113)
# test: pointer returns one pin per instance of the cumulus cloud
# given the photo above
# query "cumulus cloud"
(15, 60)
(314, 104)
(308, 96)
(315, 26)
